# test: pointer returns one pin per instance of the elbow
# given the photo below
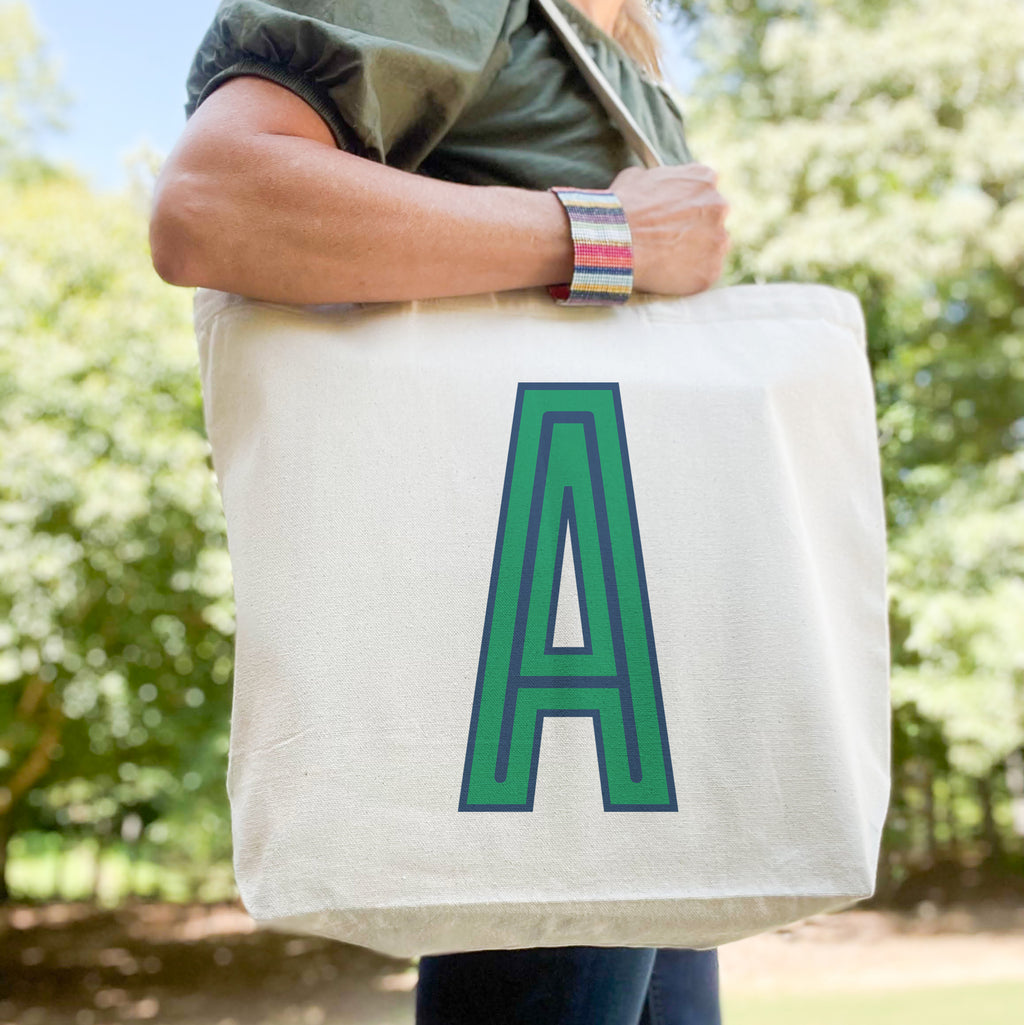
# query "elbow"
(195, 210)
(174, 233)
(168, 258)
(168, 241)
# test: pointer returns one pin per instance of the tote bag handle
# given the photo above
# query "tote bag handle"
(610, 100)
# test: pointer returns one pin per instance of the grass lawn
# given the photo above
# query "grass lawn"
(998, 1003)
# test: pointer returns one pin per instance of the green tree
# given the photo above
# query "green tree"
(31, 97)
(115, 588)
(877, 146)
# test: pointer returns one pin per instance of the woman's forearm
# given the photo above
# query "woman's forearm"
(288, 219)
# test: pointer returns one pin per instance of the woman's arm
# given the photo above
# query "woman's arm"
(257, 199)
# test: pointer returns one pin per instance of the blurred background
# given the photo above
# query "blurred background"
(877, 145)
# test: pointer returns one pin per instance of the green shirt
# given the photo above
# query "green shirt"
(474, 91)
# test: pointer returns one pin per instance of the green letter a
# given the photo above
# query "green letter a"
(568, 479)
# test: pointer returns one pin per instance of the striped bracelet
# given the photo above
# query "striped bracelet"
(602, 248)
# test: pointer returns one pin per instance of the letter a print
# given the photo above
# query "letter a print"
(568, 494)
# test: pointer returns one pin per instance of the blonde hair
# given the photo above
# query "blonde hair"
(637, 34)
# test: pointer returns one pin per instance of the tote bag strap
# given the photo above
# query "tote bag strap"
(610, 100)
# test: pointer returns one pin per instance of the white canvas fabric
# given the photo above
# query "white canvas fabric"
(395, 560)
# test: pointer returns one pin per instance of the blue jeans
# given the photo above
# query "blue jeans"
(570, 986)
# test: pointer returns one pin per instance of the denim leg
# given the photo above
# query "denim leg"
(683, 989)
(535, 986)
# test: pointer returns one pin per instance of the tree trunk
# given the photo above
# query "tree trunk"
(1015, 785)
(31, 770)
(5, 836)
(96, 869)
(928, 791)
(989, 829)
(948, 819)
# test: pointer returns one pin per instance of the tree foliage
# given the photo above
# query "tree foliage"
(115, 586)
(31, 96)
(877, 146)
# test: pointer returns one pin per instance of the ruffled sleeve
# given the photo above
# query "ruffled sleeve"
(389, 78)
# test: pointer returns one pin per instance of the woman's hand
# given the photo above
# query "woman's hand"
(676, 216)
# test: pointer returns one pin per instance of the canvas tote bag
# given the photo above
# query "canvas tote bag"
(555, 625)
